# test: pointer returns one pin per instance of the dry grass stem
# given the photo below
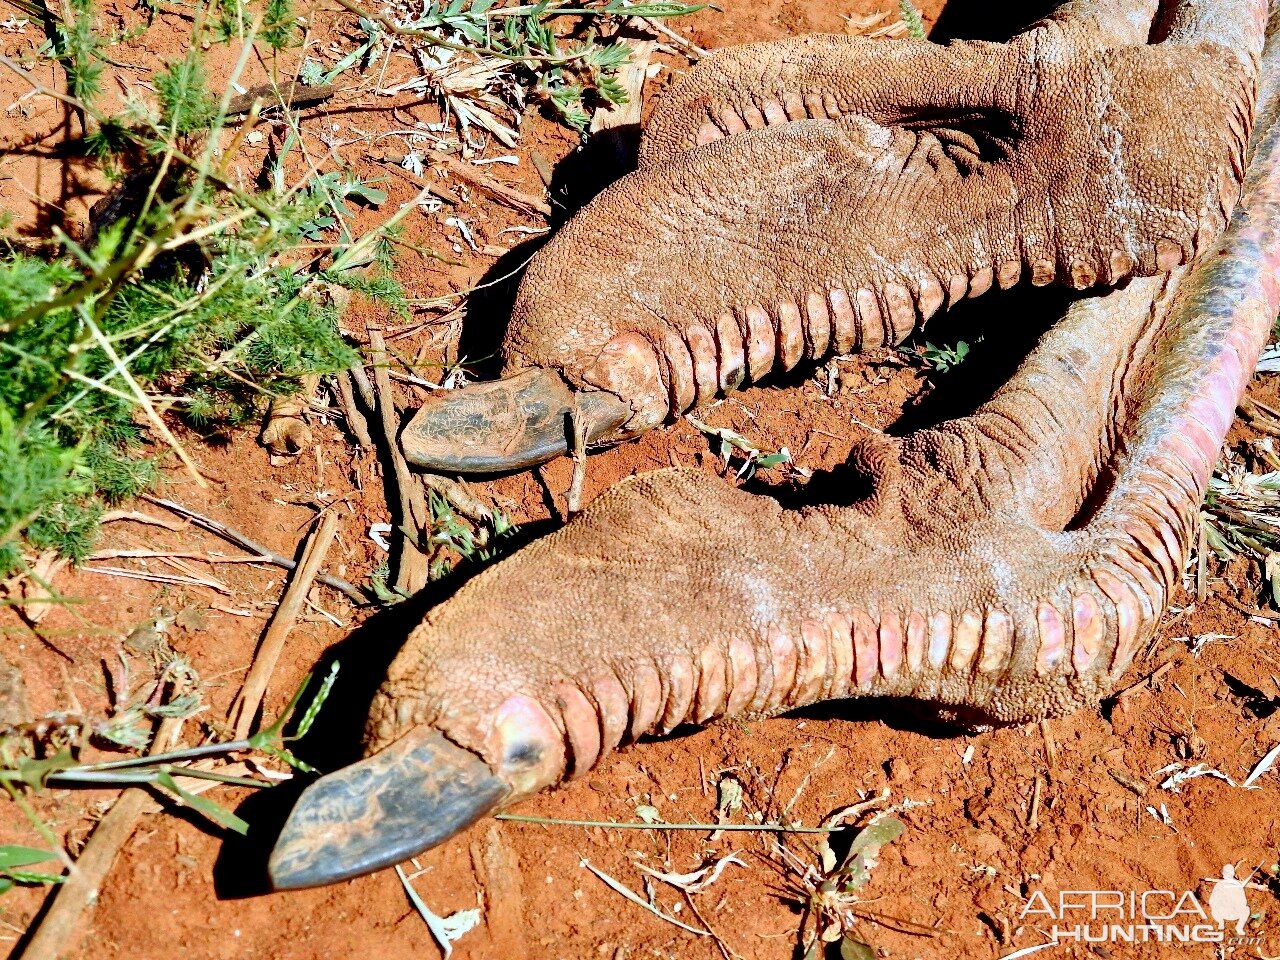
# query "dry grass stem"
(517, 199)
(54, 936)
(235, 536)
(245, 709)
(414, 568)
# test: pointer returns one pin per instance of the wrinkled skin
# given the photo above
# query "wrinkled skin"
(1002, 567)
(752, 239)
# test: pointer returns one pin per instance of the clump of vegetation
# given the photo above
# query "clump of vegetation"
(910, 14)
(734, 446)
(451, 535)
(195, 300)
(22, 771)
(486, 59)
(189, 299)
(1241, 517)
(943, 358)
(827, 892)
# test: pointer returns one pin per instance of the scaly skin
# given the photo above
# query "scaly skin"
(1000, 568)
(828, 194)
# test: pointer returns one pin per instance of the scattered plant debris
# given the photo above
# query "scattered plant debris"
(944, 358)
(445, 930)
(734, 446)
(911, 17)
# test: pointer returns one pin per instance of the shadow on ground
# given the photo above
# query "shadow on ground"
(1001, 328)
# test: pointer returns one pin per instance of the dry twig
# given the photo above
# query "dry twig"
(394, 163)
(573, 501)
(459, 496)
(691, 49)
(360, 380)
(1050, 747)
(356, 422)
(414, 563)
(246, 706)
(238, 538)
(291, 96)
(80, 891)
(618, 124)
(1120, 696)
(524, 202)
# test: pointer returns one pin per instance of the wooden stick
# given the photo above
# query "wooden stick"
(137, 516)
(691, 49)
(512, 197)
(238, 538)
(414, 564)
(245, 709)
(53, 938)
(1120, 696)
(459, 497)
(573, 501)
(618, 125)
(393, 162)
(155, 577)
(157, 554)
(360, 380)
(1202, 559)
(1050, 747)
(1033, 813)
(632, 78)
(356, 422)
(291, 96)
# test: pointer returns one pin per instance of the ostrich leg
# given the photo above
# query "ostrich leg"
(1004, 567)
(828, 194)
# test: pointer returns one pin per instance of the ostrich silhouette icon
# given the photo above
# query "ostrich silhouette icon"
(1228, 902)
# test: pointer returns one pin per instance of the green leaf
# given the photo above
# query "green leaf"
(269, 735)
(313, 708)
(204, 805)
(774, 459)
(185, 102)
(730, 437)
(911, 17)
(864, 852)
(268, 738)
(370, 195)
(17, 856)
(877, 834)
(654, 9)
(28, 876)
(851, 949)
(34, 773)
(287, 757)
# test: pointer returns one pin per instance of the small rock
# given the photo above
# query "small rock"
(916, 856)
(975, 808)
(1190, 746)
(986, 846)
(13, 695)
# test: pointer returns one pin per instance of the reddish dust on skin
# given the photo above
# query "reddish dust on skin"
(967, 859)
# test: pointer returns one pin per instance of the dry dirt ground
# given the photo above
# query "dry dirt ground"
(1069, 805)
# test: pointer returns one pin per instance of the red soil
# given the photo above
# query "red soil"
(1000, 816)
